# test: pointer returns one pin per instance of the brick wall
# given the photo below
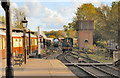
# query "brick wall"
(85, 35)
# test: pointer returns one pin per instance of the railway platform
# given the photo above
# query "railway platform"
(42, 68)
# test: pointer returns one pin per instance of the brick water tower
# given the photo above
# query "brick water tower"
(85, 33)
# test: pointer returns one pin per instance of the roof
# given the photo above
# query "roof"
(16, 34)
(2, 27)
(85, 25)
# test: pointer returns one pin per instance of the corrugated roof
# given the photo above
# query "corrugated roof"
(85, 25)
(16, 34)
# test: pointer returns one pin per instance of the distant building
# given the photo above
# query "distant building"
(85, 33)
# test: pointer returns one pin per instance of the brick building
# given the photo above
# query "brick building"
(85, 33)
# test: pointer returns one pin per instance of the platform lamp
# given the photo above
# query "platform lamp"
(24, 24)
(6, 5)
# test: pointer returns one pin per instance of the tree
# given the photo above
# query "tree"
(51, 36)
(105, 19)
(68, 29)
(19, 14)
(2, 18)
(55, 34)
(86, 12)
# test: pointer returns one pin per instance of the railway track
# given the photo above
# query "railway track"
(52, 54)
(77, 70)
(62, 58)
(87, 59)
(105, 70)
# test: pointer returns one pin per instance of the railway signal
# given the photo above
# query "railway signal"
(7, 7)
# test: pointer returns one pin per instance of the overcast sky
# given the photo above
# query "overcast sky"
(51, 14)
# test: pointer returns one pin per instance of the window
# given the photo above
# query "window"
(86, 41)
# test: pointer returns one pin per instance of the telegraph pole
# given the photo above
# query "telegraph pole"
(39, 47)
(7, 7)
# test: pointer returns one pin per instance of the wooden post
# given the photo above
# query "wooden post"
(30, 42)
(24, 45)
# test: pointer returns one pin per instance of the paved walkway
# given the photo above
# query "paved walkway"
(42, 68)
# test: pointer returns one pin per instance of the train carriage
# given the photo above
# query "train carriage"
(2, 44)
(33, 42)
(17, 43)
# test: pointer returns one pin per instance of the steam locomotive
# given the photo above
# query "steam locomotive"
(55, 42)
(67, 44)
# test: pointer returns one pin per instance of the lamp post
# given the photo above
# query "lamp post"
(24, 23)
(30, 42)
(7, 7)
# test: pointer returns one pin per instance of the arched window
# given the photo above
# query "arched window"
(86, 41)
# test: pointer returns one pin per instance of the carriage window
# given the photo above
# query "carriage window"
(34, 41)
(16, 40)
(19, 40)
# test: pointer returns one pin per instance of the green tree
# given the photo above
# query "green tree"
(105, 19)
(2, 18)
(56, 34)
(86, 12)
(51, 36)
(68, 29)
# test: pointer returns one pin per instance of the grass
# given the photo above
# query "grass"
(83, 54)
(100, 58)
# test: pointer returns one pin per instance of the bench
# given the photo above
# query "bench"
(18, 60)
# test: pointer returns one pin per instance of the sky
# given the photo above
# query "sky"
(50, 14)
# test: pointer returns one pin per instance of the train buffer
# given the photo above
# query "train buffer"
(88, 64)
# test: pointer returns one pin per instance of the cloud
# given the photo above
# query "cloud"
(77, 3)
(50, 19)
(41, 0)
(40, 15)
(2, 12)
(45, 17)
(14, 5)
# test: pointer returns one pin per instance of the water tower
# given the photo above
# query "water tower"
(85, 33)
